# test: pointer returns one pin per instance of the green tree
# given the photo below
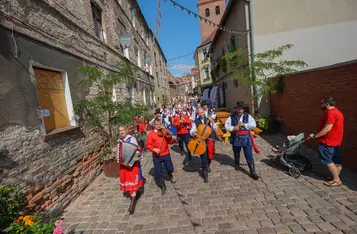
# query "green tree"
(264, 66)
(100, 112)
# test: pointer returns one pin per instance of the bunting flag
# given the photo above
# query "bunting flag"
(159, 11)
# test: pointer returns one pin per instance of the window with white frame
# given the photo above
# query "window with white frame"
(138, 57)
(126, 53)
(206, 73)
(52, 84)
(97, 21)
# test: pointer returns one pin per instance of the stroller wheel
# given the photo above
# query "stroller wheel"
(294, 172)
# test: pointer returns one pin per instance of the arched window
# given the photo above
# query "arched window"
(207, 12)
(218, 10)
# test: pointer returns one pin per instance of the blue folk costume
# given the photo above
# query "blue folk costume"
(242, 138)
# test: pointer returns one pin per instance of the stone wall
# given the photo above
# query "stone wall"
(56, 34)
(299, 104)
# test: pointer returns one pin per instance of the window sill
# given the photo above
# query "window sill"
(51, 134)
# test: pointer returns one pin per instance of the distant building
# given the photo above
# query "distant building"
(213, 11)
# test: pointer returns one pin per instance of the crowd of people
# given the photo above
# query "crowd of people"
(182, 123)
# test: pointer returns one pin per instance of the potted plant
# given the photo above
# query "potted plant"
(103, 114)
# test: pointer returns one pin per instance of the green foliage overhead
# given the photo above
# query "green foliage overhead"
(265, 65)
(100, 112)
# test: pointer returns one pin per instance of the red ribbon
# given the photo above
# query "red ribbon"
(211, 150)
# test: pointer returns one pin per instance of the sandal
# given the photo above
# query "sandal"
(333, 184)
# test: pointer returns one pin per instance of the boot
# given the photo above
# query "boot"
(209, 169)
(172, 179)
(236, 166)
(163, 188)
(132, 205)
(205, 176)
(253, 174)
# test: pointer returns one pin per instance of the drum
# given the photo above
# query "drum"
(127, 153)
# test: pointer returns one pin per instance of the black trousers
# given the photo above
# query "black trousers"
(184, 138)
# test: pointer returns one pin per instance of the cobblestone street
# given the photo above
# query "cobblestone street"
(230, 203)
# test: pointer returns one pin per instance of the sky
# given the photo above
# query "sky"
(179, 33)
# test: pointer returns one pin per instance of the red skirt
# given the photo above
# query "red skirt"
(130, 178)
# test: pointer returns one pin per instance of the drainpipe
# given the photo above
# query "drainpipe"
(252, 51)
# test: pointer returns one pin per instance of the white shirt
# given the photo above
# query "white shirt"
(249, 126)
(194, 128)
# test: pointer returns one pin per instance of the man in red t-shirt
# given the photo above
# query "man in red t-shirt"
(329, 135)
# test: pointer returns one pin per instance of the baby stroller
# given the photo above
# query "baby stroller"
(288, 155)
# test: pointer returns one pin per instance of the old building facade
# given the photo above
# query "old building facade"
(42, 44)
(229, 90)
(211, 10)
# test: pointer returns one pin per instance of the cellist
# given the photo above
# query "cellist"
(210, 152)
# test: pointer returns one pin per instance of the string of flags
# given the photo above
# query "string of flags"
(158, 17)
(182, 56)
(220, 27)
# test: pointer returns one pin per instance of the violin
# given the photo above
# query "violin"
(163, 132)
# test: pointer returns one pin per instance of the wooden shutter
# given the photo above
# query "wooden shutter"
(51, 96)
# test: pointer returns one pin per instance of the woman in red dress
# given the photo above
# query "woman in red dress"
(131, 178)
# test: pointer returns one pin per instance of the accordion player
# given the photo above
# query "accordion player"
(127, 152)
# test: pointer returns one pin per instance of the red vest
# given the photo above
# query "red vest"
(182, 128)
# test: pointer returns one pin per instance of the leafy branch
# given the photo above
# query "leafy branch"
(101, 113)
(265, 65)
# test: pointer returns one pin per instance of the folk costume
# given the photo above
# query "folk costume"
(183, 132)
(131, 178)
(164, 119)
(210, 151)
(208, 111)
(243, 138)
(141, 123)
(163, 158)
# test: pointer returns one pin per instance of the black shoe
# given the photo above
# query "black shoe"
(163, 189)
(209, 170)
(253, 174)
(205, 176)
(236, 167)
(172, 179)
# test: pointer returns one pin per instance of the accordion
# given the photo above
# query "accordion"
(127, 153)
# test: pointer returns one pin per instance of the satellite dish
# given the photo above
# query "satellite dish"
(125, 41)
(45, 112)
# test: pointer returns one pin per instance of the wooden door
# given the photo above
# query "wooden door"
(51, 96)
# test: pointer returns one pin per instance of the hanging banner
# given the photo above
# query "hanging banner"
(205, 94)
(213, 95)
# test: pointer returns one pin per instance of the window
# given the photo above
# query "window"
(218, 10)
(235, 83)
(54, 98)
(137, 54)
(232, 44)
(207, 12)
(206, 73)
(157, 77)
(97, 21)
(132, 16)
(126, 53)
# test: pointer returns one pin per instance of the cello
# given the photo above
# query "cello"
(198, 145)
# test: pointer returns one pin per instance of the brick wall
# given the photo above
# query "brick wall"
(299, 104)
